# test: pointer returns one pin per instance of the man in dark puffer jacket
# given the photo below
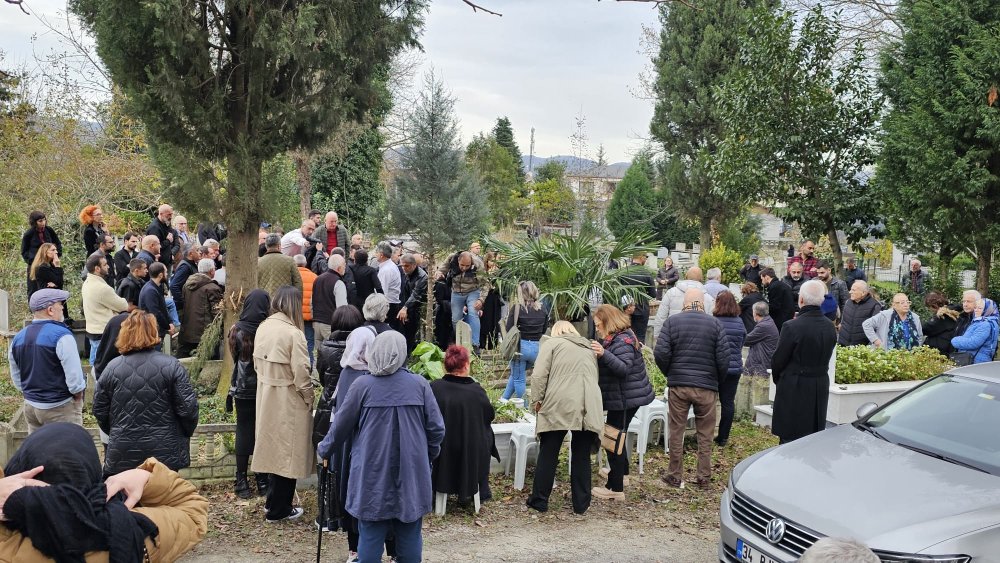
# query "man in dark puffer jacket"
(693, 352)
(859, 308)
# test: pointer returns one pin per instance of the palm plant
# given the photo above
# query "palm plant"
(569, 269)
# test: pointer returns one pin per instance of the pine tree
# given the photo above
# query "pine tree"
(634, 200)
(435, 197)
(939, 169)
(551, 170)
(504, 134)
(698, 47)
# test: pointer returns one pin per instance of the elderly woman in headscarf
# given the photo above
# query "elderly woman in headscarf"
(243, 388)
(396, 427)
(980, 339)
(76, 517)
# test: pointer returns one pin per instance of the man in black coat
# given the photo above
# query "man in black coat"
(800, 368)
(643, 282)
(779, 297)
(692, 351)
(152, 301)
(169, 242)
(413, 297)
(859, 308)
(131, 286)
(365, 279)
(128, 252)
(750, 272)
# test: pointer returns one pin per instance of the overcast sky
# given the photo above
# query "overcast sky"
(542, 64)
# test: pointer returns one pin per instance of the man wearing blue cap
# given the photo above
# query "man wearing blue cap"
(45, 364)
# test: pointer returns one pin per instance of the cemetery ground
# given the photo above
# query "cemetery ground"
(656, 523)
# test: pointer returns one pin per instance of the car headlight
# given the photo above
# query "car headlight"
(892, 557)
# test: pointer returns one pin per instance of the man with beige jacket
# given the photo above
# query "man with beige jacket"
(100, 302)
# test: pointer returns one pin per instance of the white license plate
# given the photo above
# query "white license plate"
(748, 554)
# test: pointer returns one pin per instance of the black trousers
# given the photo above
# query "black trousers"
(391, 317)
(280, 494)
(619, 463)
(727, 396)
(639, 325)
(410, 329)
(549, 444)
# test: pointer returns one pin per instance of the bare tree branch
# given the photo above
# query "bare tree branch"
(655, 3)
(474, 6)
(18, 3)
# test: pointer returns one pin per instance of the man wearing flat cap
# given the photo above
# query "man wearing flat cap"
(45, 364)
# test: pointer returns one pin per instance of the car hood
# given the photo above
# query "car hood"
(848, 483)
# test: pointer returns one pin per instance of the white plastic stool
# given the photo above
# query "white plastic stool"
(441, 501)
(521, 439)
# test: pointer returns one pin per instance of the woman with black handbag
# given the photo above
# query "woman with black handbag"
(979, 342)
(624, 386)
(567, 399)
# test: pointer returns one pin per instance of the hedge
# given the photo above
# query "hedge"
(865, 364)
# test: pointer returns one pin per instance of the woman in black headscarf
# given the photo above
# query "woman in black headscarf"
(243, 387)
(77, 518)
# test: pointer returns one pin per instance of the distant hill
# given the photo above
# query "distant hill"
(572, 163)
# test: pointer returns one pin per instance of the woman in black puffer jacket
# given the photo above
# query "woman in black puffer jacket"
(243, 388)
(728, 313)
(345, 319)
(145, 402)
(624, 386)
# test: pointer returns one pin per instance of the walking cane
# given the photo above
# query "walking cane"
(321, 519)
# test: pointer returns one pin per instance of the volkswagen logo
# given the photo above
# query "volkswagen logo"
(775, 530)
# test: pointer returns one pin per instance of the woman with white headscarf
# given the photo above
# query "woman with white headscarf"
(396, 427)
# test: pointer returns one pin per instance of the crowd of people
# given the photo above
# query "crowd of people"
(389, 440)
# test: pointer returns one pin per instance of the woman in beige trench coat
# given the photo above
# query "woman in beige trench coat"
(284, 404)
(567, 398)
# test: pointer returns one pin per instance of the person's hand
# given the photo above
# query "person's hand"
(170, 237)
(56, 261)
(132, 482)
(402, 315)
(319, 246)
(50, 284)
(11, 483)
(172, 330)
(438, 276)
(78, 397)
(538, 406)
(478, 305)
(877, 343)
(597, 348)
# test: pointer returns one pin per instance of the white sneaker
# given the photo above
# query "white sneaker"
(502, 401)
(297, 513)
(352, 557)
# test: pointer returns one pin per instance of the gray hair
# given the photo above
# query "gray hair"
(383, 248)
(714, 274)
(212, 243)
(862, 285)
(336, 262)
(528, 294)
(761, 309)
(300, 260)
(408, 259)
(273, 240)
(812, 293)
(838, 550)
(972, 292)
(376, 308)
(206, 265)
(287, 299)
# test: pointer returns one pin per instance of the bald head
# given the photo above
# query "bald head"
(165, 213)
(331, 220)
(694, 299)
(694, 274)
(151, 243)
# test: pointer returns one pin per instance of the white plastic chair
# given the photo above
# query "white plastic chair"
(522, 438)
(644, 417)
(441, 502)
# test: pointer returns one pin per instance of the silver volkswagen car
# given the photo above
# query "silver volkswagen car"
(917, 480)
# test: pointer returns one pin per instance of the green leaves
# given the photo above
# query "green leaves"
(865, 364)
(429, 361)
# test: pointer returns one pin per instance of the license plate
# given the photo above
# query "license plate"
(748, 554)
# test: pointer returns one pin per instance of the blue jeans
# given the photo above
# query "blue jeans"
(94, 343)
(307, 327)
(519, 368)
(466, 300)
(409, 544)
(172, 312)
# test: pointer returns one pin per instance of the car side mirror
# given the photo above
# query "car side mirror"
(865, 410)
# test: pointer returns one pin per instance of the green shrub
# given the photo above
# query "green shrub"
(884, 290)
(656, 376)
(429, 361)
(865, 364)
(508, 412)
(729, 261)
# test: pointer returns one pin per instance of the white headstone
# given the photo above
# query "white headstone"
(463, 335)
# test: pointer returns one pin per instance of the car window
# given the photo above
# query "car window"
(951, 416)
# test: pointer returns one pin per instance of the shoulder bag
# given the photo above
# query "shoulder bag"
(510, 345)
(968, 358)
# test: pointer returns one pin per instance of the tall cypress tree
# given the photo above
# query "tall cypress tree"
(634, 199)
(504, 134)
(939, 170)
(698, 47)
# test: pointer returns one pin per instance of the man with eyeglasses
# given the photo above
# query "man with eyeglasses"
(895, 328)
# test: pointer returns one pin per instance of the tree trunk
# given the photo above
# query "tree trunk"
(705, 232)
(984, 260)
(429, 312)
(838, 251)
(241, 255)
(946, 256)
(304, 180)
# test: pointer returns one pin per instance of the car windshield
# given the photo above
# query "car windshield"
(953, 417)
